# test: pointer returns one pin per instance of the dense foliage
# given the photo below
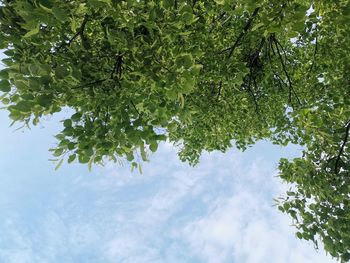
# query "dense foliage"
(200, 74)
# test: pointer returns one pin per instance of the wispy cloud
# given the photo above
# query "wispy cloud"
(220, 211)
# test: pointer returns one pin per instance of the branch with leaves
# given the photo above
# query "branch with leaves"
(80, 33)
(242, 34)
(342, 147)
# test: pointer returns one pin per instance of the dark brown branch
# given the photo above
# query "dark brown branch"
(212, 86)
(268, 52)
(271, 45)
(276, 77)
(315, 51)
(219, 92)
(161, 64)
(242, 34)
(279, 80)
(114, 69)
(90, 84)
(117, 68)
(257, 52)
(80, 33)
(107, 117)
(194, 3)
(213, 23)
(345, 140)
(275, 41)
(133, 105)
(252, 93)
(279, 15)
(280, 45)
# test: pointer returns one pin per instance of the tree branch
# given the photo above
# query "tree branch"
(133, 105)
(242, 34)
(80, 33)
(315, 51)
(117, 68)
(219, 92)
(277, 44)
(250, 91)
(90, 84)
(345, 140)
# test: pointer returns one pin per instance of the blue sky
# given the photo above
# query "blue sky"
(220, 211)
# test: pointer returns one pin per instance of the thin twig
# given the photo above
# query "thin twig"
(242, 34)
(213, 23)
(219, 92)
(80, 33)
(252, 93)
(286, 72)
(315, 51)
(345, 140)
(117, 68)
(132, 103)
(90, 84)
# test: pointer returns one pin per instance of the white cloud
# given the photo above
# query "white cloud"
(245, 227)
(220, 211)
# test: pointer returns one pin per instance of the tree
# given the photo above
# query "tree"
(201, 74)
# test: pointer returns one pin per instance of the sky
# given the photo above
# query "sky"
(219, 211)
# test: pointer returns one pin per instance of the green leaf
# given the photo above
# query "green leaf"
(184, 60)
(172, 127)
(58, 152)
(5, 85)
(59, 13)
(46, 9)
(299, 235)
(61, 72)
(67, 123)
(153, 146)
(59, 164)
(4, 74)
(45, 100)
(196, 69)
(83, 158)
(5, 101)
(143, 154)
(21, 84)
(23, 106)
(129, 157)
(32, 32)
(220, 2)
(188, 85)
(140, 168)
(257, 26)
(90, 164)
(76, 116)
(168, 3)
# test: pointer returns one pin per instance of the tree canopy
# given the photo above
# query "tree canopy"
(203, 75)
